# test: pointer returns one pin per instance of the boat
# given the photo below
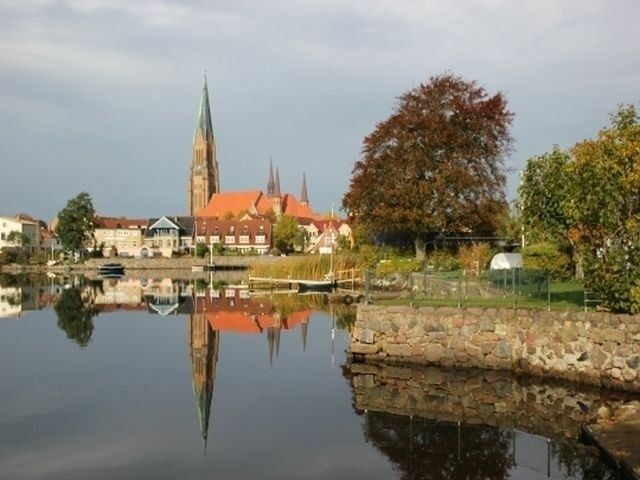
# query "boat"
(111, 269)
(315, 285)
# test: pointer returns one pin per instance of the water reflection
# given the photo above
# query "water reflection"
(258, 370)
(459, 424)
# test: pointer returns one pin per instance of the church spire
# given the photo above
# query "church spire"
(277, 191)
(203, 124)
(271, 184)
(304, 197)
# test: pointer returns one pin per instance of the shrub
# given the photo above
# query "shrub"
(474, 258)
(443, 260)
(548, 257)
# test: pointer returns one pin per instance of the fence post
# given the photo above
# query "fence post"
(548, 290)
(513, 287)
(460, 288)
(410, 283)
(367, 281)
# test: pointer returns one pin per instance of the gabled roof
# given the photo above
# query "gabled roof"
(235, 202)
(113, 223)
(292, 207)
(183, 224)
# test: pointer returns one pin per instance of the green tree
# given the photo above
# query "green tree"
(545, 194)
(436, 164)
(605, 209)
(75, 316)
(75, 227)
(19, 239)
(286, 234)
(201, 249)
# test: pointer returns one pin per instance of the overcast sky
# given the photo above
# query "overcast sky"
(101, 95)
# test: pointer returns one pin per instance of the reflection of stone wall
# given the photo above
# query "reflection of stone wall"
(594, 348)
(483, 397)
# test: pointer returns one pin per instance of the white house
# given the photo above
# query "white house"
(21, 225)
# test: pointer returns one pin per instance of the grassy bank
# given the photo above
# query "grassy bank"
(303, 267)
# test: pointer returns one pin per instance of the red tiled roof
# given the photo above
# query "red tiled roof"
(113, 223)
(234, 202)
(292, 207)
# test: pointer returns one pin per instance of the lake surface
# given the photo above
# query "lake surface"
(162, 380)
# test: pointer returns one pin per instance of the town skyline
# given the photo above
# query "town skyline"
(86, 109)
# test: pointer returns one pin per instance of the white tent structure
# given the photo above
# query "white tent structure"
(506, 261)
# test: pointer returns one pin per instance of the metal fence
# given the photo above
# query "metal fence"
(516, 288)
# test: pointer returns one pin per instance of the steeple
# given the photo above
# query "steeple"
(277, 191)
(304, 197)
(271, 184)
(203, 124)
(204, 178)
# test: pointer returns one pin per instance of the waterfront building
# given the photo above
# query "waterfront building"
(245, 235)
(120, 236)
(22, 224)
(204, 178)
(167, 236)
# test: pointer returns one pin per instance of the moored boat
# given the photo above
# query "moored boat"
(111, 269)
(315, 285)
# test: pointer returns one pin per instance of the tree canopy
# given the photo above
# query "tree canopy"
(436, 164)
(76, 222)
(589, 198)
(286, 234)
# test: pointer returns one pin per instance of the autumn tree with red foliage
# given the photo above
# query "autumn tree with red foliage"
(436, 165)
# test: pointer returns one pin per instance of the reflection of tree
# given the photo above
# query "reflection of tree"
(572, 457)
(345, 318)
(426, 449)
(75, 317)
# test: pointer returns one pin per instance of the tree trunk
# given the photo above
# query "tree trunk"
(578, 261)
(420, 248)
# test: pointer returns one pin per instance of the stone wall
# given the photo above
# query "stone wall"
(552, 409)
(593, 348)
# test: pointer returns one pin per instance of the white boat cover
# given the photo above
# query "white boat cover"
(506, 261)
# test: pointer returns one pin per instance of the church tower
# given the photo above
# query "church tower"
(204, 179)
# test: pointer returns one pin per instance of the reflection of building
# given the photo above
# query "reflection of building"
(14, 301)
(204, 344)
(10, 302)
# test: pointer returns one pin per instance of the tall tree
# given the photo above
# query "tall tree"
(545, 196)
(76, 227)
(606, 209)
(436, 164)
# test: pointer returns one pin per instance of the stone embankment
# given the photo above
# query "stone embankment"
(594, 348)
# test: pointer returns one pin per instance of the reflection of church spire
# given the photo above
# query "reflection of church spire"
(273, 337)
(304, 328)
(204, 344)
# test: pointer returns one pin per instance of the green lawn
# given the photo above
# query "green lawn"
(565, 295)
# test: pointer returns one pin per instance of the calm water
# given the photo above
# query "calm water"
(175, 381)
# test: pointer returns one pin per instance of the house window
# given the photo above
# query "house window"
(215, 239)
(244, 238)
(2, 237)
(260, 239)
(229, 239)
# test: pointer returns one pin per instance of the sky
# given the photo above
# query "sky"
(102, 95)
